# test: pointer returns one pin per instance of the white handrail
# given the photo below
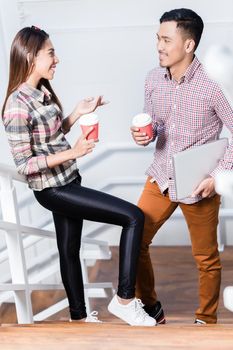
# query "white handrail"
(10, 171)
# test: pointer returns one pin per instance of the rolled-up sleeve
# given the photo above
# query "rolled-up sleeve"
(17, 122)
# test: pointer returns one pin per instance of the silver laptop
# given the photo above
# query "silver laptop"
(195, 164)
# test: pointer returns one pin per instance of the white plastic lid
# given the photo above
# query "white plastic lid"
(89, 119)
(141, 119)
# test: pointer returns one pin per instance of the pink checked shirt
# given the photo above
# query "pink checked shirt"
(185, 114)
(33, 126)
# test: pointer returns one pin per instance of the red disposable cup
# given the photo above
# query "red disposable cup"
(147, 129)
(143, 122)
(94, 134)
(86, 122)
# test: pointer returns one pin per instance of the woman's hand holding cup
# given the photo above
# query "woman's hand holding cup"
(83, 146)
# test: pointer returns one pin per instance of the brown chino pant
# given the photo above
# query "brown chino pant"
(202, 221)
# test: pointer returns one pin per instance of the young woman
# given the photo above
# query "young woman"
(33, 119)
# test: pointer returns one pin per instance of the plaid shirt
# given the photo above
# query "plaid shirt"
(33, 125)
(185, 114)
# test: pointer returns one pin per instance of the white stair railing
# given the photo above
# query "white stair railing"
(15, 251)
(20, 285)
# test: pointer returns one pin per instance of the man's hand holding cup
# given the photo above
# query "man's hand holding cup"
(141, 129)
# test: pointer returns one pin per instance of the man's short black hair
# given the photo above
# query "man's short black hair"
(187, 20)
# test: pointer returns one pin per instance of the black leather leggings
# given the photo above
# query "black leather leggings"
(72, 203)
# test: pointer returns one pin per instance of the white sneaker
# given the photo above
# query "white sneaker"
(132, 313)
(197, 321)
(92, 317)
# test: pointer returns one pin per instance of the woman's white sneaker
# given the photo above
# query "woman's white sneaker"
(92, 317)
(132, 313)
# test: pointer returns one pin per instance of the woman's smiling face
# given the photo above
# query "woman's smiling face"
(45, 62)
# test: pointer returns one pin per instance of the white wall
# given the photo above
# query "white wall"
(106, 47)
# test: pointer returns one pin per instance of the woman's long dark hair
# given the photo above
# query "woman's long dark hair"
(28, 40)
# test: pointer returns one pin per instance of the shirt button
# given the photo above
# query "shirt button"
(177, 86)
(173, 125)
(170, 161)
(172, 143)
(174, 106)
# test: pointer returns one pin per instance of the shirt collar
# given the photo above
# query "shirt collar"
(195, 64)
(41, 95)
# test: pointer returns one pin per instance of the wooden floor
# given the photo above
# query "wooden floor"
(176, 281)
(116, 337)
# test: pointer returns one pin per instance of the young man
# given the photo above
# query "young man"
(188, 109)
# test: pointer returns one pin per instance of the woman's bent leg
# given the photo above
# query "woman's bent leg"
(75, 201)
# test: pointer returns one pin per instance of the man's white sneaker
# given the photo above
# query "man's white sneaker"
(132, 313)
(197, 321)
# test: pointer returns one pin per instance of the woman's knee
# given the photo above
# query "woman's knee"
(136, 216)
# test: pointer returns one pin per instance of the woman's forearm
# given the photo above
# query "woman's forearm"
(85, 106)
(56, 159)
